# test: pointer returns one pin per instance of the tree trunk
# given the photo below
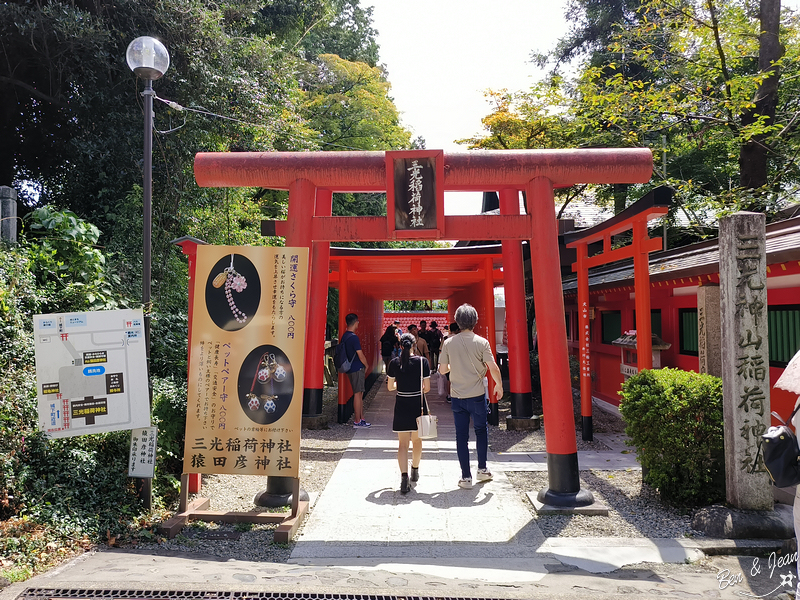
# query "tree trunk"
(620, 197)
(753, 154)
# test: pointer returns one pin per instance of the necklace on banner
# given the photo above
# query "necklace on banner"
(232, 281)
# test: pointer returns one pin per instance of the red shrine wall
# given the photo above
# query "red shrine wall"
(669, 298)
(406, 318)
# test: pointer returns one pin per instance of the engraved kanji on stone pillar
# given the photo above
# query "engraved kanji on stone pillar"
(745, 357)
(708, 330)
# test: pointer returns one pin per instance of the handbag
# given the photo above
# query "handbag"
(427, 424)
(781, 453)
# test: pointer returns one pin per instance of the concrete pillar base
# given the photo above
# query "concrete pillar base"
(518, 424)
(315, 422)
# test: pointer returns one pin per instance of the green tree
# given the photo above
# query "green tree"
(348, 103)
(704, 90)
(345, 30)
(697, 80)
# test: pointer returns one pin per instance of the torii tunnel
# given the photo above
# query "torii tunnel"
(366, 278)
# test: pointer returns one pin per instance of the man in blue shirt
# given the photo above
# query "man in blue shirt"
(352, 347)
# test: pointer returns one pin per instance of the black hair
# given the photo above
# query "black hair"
(406, 341)
(350, 319)
(454, 328)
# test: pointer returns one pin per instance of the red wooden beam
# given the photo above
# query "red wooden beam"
(373, 229)
(474, 170)
(647, 245)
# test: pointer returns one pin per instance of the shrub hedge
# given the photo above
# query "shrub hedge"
(674, 419)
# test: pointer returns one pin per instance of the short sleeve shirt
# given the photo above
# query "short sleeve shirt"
(467, 354)
(408, 381)
(351, 347)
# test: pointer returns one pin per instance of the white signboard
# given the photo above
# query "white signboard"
(91, 372)
(628, 370)
(142, 458)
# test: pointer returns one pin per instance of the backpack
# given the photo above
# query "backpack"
(781, 454)
(340, 359)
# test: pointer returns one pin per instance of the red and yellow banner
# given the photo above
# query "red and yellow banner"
(245, 400)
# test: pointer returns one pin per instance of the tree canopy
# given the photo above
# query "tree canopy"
(704, 84)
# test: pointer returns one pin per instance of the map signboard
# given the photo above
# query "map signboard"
(91, 372)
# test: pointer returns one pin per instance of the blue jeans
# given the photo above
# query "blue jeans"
(463, 408)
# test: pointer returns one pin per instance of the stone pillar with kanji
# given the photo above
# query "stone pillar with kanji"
(709, 354)
(745, 358)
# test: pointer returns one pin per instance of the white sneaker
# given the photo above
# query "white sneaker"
(484, 475)
(465, 483)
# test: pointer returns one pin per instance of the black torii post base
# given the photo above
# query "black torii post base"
(564, 483)
(278, 493)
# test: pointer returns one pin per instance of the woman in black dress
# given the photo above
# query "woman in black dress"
(407, 374)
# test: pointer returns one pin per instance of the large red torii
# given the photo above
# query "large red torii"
(311, 178)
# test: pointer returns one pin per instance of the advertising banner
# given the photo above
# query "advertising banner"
(91, 372)
(247, 339)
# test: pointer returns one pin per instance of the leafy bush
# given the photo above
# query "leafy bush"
(66, 263)
(169, 415)
(674, 419)
(75, 487)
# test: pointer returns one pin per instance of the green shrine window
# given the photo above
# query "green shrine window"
(655, 321)
(784, 333)
(687, 325)
(610, 325)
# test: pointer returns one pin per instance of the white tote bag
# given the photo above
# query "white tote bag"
(427, 425)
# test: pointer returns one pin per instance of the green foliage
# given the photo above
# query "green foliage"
(536, 379)
(56, 495)
(65, 261)
(674, 419)
(169, 415)
(675, 78)
(348, 103)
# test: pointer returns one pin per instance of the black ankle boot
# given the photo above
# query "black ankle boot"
(404, 484)
(414, 473)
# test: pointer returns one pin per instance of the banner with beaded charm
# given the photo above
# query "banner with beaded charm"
(247, 346)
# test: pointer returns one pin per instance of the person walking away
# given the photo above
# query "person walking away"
(434, 344)
(423, 331)
(388, 341)
(357, 370)
(467, 357)
(451, 331)
(422, 345)
(410, 375)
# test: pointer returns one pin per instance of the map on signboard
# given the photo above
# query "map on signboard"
(91, 372)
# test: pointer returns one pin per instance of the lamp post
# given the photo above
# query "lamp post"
(149, 59)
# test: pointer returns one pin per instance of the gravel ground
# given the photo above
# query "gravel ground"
(634, 508)
(320, 451)
(502, 440)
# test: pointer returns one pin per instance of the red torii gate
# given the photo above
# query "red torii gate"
(312, 177)
(654, 204)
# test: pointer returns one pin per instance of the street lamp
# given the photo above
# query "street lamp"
(149, 59)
